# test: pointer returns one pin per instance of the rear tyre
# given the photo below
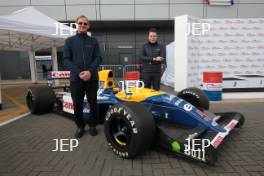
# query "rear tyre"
(129, 129)
(196, 97)
(40, 100)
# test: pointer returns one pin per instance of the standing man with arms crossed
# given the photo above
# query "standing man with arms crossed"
(81, 55)
(152, 56)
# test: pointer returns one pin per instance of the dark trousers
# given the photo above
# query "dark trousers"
(78, 90)
(152, 79)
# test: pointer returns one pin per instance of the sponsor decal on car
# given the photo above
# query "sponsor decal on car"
(217, 141)
(214, 123)
(60, 74)
(68, 105)
(231, 125)
(176, 147)
(187, 107)
(220, 136)
(178, 102)
(206, 118)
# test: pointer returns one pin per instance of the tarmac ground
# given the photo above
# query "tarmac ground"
(26, 146)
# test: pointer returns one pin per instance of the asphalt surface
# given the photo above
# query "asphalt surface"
(26, 150)
(14, 102)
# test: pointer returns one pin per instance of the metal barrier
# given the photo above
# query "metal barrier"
(120, 70)
(137, 67)
(0, 92)
(132, 67)
(117, 70)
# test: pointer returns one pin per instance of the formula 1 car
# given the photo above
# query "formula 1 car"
(141, 118)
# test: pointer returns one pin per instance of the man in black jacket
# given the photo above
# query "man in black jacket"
(152, 56)
(82, 57)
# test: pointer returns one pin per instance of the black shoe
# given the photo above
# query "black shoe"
(93, 131)
(79, 132)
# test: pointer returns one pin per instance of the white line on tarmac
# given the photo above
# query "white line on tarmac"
(14, 119)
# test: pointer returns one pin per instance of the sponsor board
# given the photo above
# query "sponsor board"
(212, 86)
(235, 49)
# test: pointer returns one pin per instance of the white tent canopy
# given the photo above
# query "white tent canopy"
(30, 30)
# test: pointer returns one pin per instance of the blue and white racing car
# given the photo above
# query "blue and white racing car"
(141, 118)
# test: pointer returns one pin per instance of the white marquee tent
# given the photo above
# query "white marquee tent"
(30, 30)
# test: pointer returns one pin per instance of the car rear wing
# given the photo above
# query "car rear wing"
(60, 74)
(54, 76)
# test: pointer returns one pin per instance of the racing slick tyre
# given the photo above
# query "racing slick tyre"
(129, 129)
(196, 97)
(40, 99)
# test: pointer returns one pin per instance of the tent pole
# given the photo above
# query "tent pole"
(32, 63)
(54, 62)
(0, 92)
(54, 58)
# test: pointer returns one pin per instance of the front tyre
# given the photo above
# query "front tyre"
(196, 97)
(129, 129)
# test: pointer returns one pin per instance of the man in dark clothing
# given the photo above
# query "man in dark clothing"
(152, 56)
(82, 57)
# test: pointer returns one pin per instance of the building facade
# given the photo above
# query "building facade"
(120, 26)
